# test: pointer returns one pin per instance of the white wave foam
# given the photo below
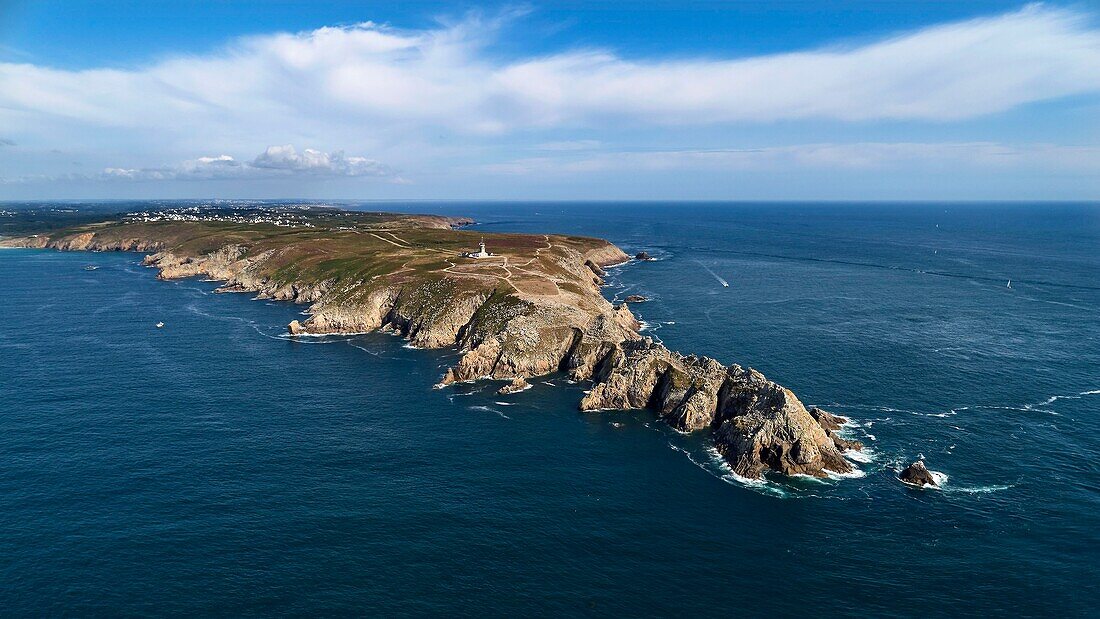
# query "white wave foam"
(731, 477)
(1092, 392)
(979, 489)
(487, 409)
(855, 473)
(341, 334)
(866, 456)
(938, 477)
(505, 403)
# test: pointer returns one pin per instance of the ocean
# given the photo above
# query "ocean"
(217, 467)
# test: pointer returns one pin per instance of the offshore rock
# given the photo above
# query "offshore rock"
(643, 256)
(918, 475)
(636, 298)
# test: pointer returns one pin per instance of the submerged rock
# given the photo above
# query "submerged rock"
(918, 475)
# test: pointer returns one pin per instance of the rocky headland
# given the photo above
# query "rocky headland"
(532, 307)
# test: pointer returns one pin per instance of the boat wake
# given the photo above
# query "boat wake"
(716, 276)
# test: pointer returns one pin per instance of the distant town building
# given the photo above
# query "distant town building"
(481, 253)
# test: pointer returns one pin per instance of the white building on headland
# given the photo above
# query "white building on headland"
(481, 253)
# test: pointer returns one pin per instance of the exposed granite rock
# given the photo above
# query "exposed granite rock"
(756, 424)
(517, 385)
(595, 268)
(827, 420)
(643, 256)
(636, 298)
(37, 241)
(832, 425)
(918, 475)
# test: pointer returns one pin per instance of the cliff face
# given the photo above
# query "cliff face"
(534, 310)
(756, 424)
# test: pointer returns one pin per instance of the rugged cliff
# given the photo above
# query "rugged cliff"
(532, 308)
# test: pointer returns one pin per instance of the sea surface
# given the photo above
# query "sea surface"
(216, 467)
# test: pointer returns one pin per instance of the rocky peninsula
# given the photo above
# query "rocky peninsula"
(525, 306)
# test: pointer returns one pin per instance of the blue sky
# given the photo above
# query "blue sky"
(621, 100)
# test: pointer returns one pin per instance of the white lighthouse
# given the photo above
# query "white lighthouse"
(481, 253)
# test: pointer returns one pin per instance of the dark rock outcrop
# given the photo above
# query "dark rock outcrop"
(918, 475)
(643, 256)
(636, 298)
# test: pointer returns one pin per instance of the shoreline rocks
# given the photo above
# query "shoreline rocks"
(636, 298)
(643, 256)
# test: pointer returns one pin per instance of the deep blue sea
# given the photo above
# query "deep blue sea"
(215, 467)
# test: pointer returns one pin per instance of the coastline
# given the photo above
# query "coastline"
(510, 327)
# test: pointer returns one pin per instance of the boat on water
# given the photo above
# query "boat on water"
(160, 325)
(1009, 284)
(91, 267)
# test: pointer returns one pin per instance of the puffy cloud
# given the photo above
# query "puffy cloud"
(275, 162)
(317, 163)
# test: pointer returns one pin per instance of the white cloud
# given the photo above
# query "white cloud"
(315, 162)
(274, 162)
(826, 156)
(325, 80)
(441, 103)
